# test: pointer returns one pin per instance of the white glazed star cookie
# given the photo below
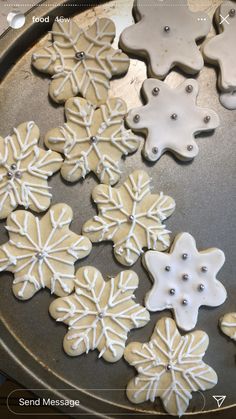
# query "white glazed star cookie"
(166, 35)
(93, 140)
(100, 313)
(220, 50)
(184, 280)
(131, 217)
(42, 253)
(169, 366)
(81, 62)
(228, 325)
(170, 119)
(24, 170)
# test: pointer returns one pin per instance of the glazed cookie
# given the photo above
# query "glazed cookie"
(169, 366)
(228, 325)
(184, 280)
(93, 140)
(170, 119)
(166, 35)
(24, 170)
(81, 62)
(42, 253)
(220, 50)
(131, 217)
(100, 313)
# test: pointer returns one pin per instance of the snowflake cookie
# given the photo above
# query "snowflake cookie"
(42, 253)
(184, 280)
(100, 313)
(93, 140)
(169, 366)
(220, 50)
(24, 170)
(131, 217)
(228, 325)
(170, 119)
(166, 36)
(81, 62)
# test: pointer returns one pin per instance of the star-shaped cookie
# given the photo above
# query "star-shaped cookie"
(24, 170)
(169, 366)
(220, 50)
(42, 253)
(165, 35)
(170, 119)
(131, 217)
(81, 62)
(100, 313)
(184, 280)
(228, 325)
(93, 140)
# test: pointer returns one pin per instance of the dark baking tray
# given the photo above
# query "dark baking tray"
(204, 190)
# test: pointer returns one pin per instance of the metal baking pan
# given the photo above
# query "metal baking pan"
(204, 190)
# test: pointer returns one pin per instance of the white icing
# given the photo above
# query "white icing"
(42, 256)
(182, 355)
(157, 124)
(220, 50)
(201, 269)
(116, 206)
(228, 325)
(106, 124)
(100, 314)
(32, 167)
(166, 48)
(91, 74)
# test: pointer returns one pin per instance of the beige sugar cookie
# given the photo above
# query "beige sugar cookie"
(220, 50)
(41, 253)
(93, 140)
(81, 62)
(171, 119)
(228, 325)
(24, 170)
(169, 366)
(165, 35)
(131, 217)
(100, 313)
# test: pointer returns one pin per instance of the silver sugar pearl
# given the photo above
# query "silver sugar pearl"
(167, 268)
(207, 119)
(168, 367)
(136, 118)
(204, 269)
(201, 287)
(189, 88)
(174, 116)
(80, 55)
(232, 12)
(184, 256)
(131, 218)
(166, 28)
(39, 255)
(101, 315)
(18, 174)
(13, 166)
(172, 291)
(185, 302)
(93, 139)
(185, 277)
(190, 147)
(155, 150)
(9, 175)
(155, 91)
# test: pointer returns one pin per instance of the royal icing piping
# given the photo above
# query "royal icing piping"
(42, 253)
(100, 313)
(170, 119)
(166, 34)
(184, 280)
(81, 62)
(220, 50)
(24, 170)
(228, 325)
(131, 217)
(93, 140)
(169, 366)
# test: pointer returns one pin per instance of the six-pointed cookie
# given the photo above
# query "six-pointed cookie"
(24, 170)
(170, 119)
(220, 50)
(42, 253)
(165, 35)
(81, 62)
(184, 280)
(169, 366)
(228, 325)
(100, 313)
(131, 217)
(93, 140)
